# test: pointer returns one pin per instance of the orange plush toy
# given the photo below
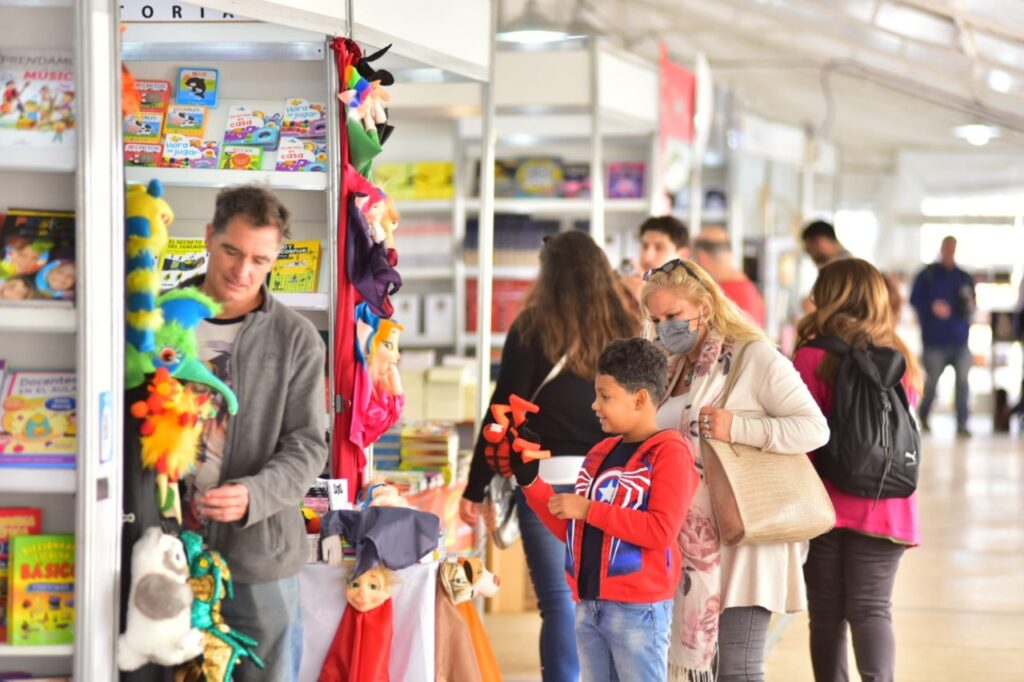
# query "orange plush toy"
(131, 99)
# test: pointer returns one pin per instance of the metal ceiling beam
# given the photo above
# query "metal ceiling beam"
(976, 21)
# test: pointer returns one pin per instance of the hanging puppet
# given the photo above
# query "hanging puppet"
(385, 539)
(378, 397)
(361, 648)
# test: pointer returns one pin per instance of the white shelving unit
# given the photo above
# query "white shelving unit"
(84, 176)
(44, 481)
(36, 316)
(216, 179)
(43, 652)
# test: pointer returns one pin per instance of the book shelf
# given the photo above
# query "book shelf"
(50, 651)
(600, 109)
(38, 316)
(216, 179)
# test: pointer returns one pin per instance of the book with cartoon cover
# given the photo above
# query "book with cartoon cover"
(37, 107)
(235, 157)
(37, 260)
(37, 419)
(41, 590)
(297, 268)
(142, 155)
(180, 151)
(248, 125)
(182, 260)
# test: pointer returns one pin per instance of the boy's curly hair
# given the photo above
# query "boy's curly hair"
(636, 364)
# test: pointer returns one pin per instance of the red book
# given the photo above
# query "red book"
(13, 521)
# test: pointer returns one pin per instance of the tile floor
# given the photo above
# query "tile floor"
(959, 600)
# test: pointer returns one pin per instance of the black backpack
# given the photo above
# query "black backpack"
(874, 449)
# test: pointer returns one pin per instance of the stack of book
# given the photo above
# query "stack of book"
(430, 446)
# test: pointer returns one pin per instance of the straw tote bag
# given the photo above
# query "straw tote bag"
(761, 496)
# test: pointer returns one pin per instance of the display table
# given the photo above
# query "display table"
(412, 646)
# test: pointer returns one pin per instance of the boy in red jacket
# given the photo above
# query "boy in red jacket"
(620, 527)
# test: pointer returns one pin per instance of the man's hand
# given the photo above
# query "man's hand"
(227, 503)
(569, 506)
(941, 310)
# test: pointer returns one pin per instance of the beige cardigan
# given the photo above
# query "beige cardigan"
(772, 410)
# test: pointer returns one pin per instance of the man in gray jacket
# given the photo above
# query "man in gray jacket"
(255, 467)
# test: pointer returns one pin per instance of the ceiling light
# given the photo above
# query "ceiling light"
(977, 134)
(999, 80)
(531, 28)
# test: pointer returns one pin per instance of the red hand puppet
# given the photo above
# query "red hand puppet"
(503, 435)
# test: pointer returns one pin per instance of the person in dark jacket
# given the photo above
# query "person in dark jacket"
(575, 308)
(943, 296)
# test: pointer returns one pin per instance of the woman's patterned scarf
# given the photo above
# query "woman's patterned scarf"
(698, 598)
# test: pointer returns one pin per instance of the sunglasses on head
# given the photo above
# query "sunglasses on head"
(670, 266)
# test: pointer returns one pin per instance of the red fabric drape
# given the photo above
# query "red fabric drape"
(361, 649)
(347, 460)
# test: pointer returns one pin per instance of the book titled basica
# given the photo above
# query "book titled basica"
(37, 420)
(41, 590)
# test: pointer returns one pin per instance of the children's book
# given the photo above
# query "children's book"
(155, 95)
(253, 126)
(142, 154)
(186, 119)
(297, 268)
(198, 86)
(626, 180)
(41, 592)
(189, 152)
(38, 256)
(182, 260)
(37, 420)
(235, 157)
(298, 155)
(539, 177)
(37, 108)
(145, 126)
(433, 180)
(302, 119)
(397, 179)
(13, 521)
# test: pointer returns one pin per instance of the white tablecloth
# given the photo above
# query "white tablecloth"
(412, 646)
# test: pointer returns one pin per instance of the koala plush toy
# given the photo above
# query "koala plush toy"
(159, 623)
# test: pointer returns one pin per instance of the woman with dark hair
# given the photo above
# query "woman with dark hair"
(850, 571)
(575, 308)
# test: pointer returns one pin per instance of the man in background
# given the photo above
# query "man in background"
(943, 296)
(662, 238)
(713, 252)
(821, 244)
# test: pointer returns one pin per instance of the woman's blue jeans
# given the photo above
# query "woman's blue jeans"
(545, 557)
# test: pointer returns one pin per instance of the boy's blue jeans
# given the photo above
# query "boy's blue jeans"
(623, 642)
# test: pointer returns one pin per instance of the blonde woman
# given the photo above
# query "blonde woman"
(851, 570)
(727, 595)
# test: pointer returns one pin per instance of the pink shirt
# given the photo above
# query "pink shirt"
(895, 518)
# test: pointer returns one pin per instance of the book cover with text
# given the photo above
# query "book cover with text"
(41, 590)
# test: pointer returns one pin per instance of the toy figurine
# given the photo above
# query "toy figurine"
(159, 624)
(210, 580)
(378, 397)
